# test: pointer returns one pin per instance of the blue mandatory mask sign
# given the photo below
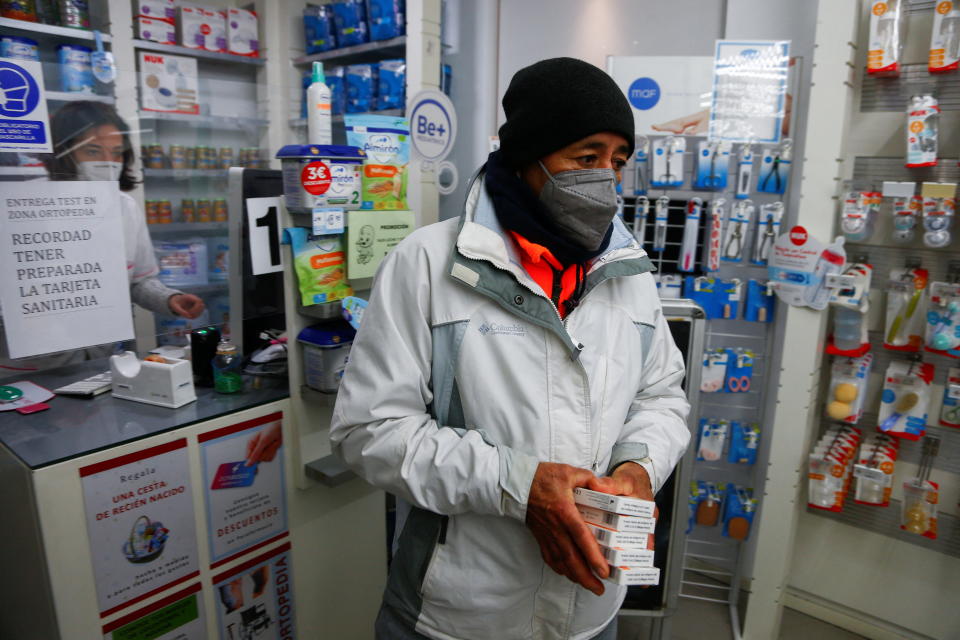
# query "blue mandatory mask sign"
(23, 110)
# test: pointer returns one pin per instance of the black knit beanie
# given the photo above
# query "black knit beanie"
(556, 102)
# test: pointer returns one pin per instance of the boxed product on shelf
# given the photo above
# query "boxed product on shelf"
(350, 19)
(76, 73)
(390, 84)
(216, 37)
(319, 29)
(168, 83)
(182, 263)
(243, 37)
(360, 81)
(153, 30)
(326, 349)
(165, 10)
(218, 254)
(385, 18)
(19, 48)
(338, 90)
(192, 26)
(74, 13)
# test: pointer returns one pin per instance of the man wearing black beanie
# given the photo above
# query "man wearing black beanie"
(505, 359)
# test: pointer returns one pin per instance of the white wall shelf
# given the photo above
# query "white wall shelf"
(144, 45)
(186, 174)
(8, 24)
(210, 121)
(21, 173)
(358, 53)
(188, 228)
(73, 96)
(338, 119)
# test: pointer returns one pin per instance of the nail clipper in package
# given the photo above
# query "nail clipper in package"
(923, 115)
(640, 158)
(761, 301)
(661, 214)
(714, 372)
(887, 33)
(719, 298)
(744, 172)
(906, 215)
(943, 319)
(738, 228)
(713, 435)
(945, 38)
(937, 219)
(768, 228)
(874, 469)
(905, 399)
(713, 165)
(691, 230)
(848, 386)
(950, 410)
(775, 168)
(640, 212)
(904, 326)
(668, 161)
(744, 440)
(739, 370)
(712, 235)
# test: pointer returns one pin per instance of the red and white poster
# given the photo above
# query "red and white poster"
(255, 599)
(244, 489)
(179, 616)
(141, 524)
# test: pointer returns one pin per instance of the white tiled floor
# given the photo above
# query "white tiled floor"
(697, 620)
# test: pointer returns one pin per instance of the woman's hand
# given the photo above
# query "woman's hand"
(186, 305)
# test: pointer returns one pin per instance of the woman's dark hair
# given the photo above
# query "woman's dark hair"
(71, 124)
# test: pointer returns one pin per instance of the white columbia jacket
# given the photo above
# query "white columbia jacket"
(462, 379)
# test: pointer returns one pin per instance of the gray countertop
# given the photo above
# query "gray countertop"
(73, 426)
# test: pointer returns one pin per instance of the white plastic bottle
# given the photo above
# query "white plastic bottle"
(319, 127)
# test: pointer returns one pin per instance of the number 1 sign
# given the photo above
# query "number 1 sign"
(263, 226)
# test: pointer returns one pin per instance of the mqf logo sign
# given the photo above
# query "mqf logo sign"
(644, 93)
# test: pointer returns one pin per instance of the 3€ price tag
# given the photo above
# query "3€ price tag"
(327, 221)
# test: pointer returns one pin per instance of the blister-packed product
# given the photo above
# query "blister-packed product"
(760, 303)
(744, 441)
(713, 435)
(904, 326)
(905, 399)
(943, 319)
(386, 142)
(945, 38)
(950, 409)
(873, 470)
(848, 386)
(887, 33)
(738, 510)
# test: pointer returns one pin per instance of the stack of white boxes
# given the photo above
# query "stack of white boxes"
(622, 526)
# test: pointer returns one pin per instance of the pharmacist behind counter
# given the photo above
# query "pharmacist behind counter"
(91, 142)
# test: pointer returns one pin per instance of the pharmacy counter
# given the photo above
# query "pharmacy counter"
(75, 427)
(126, 520)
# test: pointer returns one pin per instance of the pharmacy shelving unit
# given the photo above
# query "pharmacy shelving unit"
(48, 37)
(313, 410)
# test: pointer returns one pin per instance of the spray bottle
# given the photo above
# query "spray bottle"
(319, 127)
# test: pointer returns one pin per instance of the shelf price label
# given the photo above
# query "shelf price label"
(327, 221)
(263, 229)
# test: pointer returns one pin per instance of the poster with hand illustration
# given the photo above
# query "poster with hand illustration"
(371, 235)
(140, 521)
(243, 471)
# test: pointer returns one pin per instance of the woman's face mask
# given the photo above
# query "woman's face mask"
(99, 170)
(581, 204)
